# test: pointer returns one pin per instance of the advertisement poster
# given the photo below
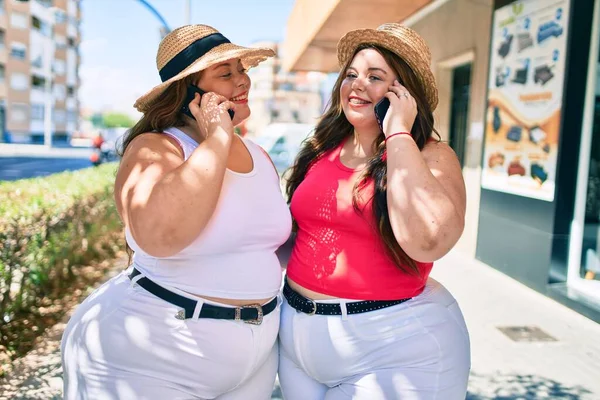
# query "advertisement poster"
(525, 90)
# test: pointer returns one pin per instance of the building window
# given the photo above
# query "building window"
(18, 50)
(2, 73)
(71, 116)
(18, 112)
(37, 62)
(60, 116)
(18, 20)
(70, 91)
(71, 42)
(2, 38)
(41, 26)
(72, 7)
(38, 82)
(61, 41)
(37, 112)
(60, 92)
(19, 81)
(60, 17)
(45, 3)
(60, 67)
(2, 11)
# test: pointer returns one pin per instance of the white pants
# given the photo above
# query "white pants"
(125, 343)
(416, 350)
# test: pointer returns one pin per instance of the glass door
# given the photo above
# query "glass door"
(584, 256)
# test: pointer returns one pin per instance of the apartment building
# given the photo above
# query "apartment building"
(39, 63)
(281, 96)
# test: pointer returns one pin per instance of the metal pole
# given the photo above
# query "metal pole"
(48, 98)
(156, 14)
(188, 14)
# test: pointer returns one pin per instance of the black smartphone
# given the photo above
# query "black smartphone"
(191, 92)
(380, 110)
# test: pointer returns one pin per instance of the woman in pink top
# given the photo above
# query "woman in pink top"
(375, 205)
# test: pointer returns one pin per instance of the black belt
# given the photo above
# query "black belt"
(250, 314)
(311, 307)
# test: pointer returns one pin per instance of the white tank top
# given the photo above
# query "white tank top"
(234, 256)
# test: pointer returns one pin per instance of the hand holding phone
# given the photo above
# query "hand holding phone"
(191, 92)
(381, 109)
(402, 110)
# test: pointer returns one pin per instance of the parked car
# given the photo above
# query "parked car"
(282, 142)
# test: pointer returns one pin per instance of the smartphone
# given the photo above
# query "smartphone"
(191, 92)
(380, 110)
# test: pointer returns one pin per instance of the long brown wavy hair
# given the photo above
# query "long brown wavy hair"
(163, 113)
(333, 128)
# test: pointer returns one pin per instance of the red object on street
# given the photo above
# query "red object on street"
(94, 158)
(97, 141)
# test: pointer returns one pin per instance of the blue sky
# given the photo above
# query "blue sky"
(120, 39)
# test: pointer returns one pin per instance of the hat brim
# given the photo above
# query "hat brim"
(350, 42)
(250, 57)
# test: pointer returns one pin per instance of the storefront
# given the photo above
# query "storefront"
(539, 204)
(519, 84)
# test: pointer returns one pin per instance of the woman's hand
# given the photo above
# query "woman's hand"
(210, 112)
(401, 115)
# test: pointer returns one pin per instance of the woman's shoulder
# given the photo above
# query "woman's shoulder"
(437, 149)
(149, 143)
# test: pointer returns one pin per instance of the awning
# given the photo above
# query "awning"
(315, 27)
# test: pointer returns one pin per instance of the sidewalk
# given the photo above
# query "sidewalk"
(568, 368)
(38, 150)
(502, 369)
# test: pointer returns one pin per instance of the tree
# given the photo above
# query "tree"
(97, 120)
(117, 120)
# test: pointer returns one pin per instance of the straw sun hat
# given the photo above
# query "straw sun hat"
(402, 41)
(193, 48)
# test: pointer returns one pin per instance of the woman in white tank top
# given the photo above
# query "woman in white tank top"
(196, 315)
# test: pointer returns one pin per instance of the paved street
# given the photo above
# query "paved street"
(12, 168)
(19, 161)
(502, 369)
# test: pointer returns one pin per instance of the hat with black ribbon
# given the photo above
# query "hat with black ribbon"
(193, 48)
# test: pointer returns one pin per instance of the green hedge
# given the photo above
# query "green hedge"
(49, 227)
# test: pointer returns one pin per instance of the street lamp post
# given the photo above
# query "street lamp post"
(187, 13)
(157, 15)
(48, 97)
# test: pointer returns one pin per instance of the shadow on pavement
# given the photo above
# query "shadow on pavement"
(521, 387)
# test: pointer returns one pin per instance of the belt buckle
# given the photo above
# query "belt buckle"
(259, 311)
(314, 304)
